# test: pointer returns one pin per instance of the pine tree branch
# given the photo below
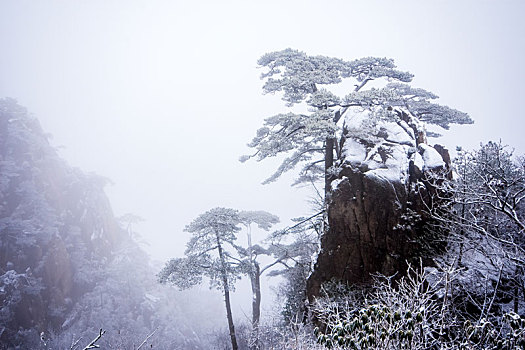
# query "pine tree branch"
(302, 222)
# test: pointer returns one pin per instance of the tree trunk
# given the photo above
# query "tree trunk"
(516, 289)
(229, 313)
(255, 280)
(328, 163)
(226, 288)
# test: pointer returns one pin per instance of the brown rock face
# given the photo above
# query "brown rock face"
(366, 232)
(375, 220)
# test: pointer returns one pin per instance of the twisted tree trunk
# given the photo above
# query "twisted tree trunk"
(255, 280)
(226, 289)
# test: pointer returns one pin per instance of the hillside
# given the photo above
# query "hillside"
(67, 268)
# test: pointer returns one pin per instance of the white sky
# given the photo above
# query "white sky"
(162, 96)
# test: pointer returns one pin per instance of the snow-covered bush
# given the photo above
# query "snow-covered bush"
(415, 312)
(412, 312)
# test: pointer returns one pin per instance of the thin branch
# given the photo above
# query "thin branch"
(147, 338)
(278, 261)
(92, 345)
(360, 86)
(302, 221)
(494, 294)
(75, 343)
(294, 131)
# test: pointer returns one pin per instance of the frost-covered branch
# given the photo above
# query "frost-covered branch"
(147, 338)
(93, 344)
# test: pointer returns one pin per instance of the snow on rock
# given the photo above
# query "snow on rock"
(335, 183)
(418, 161)
(385, 174)
(382, 145)
(431, 157)
(399, 133)
(355, 152)
(390, 164)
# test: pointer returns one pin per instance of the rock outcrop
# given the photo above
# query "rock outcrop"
(377, 208)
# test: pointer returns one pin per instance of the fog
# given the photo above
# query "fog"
(161, 97)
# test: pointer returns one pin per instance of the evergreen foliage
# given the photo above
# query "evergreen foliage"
(314, 140)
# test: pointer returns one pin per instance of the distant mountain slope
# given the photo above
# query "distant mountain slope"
(67, 268)
(57, 230)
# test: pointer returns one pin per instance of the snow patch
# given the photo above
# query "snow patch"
(431, 157)
(398, 134)
(355, 152)
(418, 161)
(385, 174)
(382, 146)
(335, 184)
(389, 163)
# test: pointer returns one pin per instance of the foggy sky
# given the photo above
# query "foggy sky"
(162, 96)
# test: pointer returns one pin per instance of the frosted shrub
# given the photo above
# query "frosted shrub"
(415, 312)
(412, 312)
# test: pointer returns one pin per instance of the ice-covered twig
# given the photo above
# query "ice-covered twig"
(147, 338)
(75, 343)
(93, 345)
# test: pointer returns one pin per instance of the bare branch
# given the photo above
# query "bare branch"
(93, 344)
(147, 338)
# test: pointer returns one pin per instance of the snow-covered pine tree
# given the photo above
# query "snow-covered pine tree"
(264, 221)
(315, 139)
(370, 148)
(213, 252)
(214, 232)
